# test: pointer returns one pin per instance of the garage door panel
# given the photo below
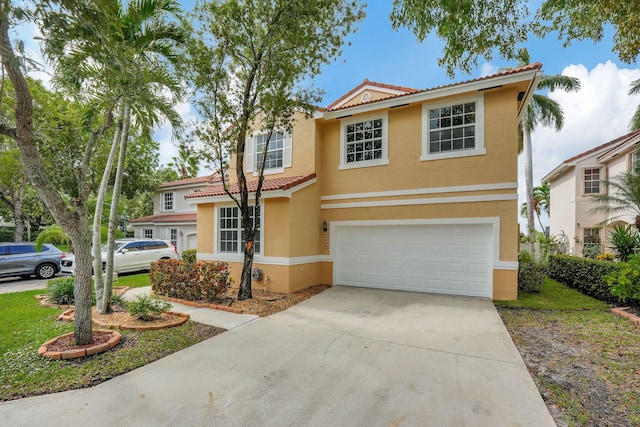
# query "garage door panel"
(454, 259)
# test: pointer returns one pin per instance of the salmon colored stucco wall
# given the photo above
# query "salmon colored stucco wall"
(503, 289)
(405, 170)
(205, 228)
(302, 151)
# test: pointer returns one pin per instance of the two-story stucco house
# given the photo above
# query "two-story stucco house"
(388, 187)
(575, 180)
(173, 218)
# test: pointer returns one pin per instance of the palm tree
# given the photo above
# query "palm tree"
(186, 163)
(541, 202)
(622, 196)
(544, 111)
(635, 120)
(126, 66)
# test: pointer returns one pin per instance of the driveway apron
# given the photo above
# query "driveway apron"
(346, 357)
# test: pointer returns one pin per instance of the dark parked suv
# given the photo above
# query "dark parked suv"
(24, 260)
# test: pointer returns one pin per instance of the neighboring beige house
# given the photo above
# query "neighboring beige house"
(173, 218)
(388, 187)
(575, 180)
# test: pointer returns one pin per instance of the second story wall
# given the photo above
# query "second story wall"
(405, 162)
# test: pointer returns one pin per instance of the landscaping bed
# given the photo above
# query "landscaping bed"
(584, 359)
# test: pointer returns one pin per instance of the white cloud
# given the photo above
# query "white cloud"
(598, 113)
(488, 69)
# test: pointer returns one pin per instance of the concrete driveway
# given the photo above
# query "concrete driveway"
(346, 357)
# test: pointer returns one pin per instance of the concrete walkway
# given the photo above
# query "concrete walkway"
(346, 357)
(207, 316)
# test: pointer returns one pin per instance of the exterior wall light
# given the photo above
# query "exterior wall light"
(324, 226)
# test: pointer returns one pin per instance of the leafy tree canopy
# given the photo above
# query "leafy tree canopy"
(474, 29)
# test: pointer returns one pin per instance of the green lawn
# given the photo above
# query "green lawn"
(24, 325)
(584, 359)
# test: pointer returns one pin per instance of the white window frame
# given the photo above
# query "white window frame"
(240, 252)
(634, 160)
(384, 116)
(147, 233)
(584, 180)
(163, 201)
(591, 231)
(478, 150)
(252, 153)
(170, 238)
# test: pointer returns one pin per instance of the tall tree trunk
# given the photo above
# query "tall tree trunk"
(113, 214)
(18, 214)
(73, 222)
(528, 172)
(97, 218)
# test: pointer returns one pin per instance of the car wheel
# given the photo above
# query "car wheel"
(46, 271)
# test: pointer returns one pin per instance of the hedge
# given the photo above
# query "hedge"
(199, 281)
(189, 255)
(584, 275)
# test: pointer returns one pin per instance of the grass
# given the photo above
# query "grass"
(554, 296)
(24, 325)
(134, 280)
(584, 359)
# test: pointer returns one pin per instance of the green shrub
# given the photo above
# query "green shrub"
(189, 255)
(623, 241)
(591, 250)
(60, 290)
(531, 274)
(625, 280)
(147, 308)
(6, 235)
(200, 281)
(584, 275)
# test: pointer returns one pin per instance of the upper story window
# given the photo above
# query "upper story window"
(168, 201)
(363, 142)
(278, 152)
(454, 129)
(592, 181)
(635, 161)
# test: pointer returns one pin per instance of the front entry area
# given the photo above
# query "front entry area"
(451, 259)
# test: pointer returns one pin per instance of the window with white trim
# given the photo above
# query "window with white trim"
(278, 154)
(591, 179)
(635, 161)
(172, 236)
(168, 201)
(230, 232)
(147, 233)
(364, 142)
(454, 129)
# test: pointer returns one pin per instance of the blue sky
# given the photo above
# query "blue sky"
(598, 113)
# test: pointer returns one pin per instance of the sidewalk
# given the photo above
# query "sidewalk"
(207, 316)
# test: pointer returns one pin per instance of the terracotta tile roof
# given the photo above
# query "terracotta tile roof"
(611, 144)
(268, 185)
(167, 218)
(366, 82)
(214, 177)
(530, 67)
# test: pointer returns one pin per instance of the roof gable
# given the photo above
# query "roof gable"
(369, 91)
(355, 105)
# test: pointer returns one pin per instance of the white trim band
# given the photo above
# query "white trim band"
(420, 191)
(427, 201)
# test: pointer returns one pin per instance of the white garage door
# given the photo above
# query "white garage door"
(450, 259)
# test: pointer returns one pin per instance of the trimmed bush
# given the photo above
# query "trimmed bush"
(584, 275)
(147, 308)
(6, 235)
(531, 274)
(60, 290)
(189, 256)
(625, 280)
(199, 281)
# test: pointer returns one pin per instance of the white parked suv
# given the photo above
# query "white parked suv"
(130, 255)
